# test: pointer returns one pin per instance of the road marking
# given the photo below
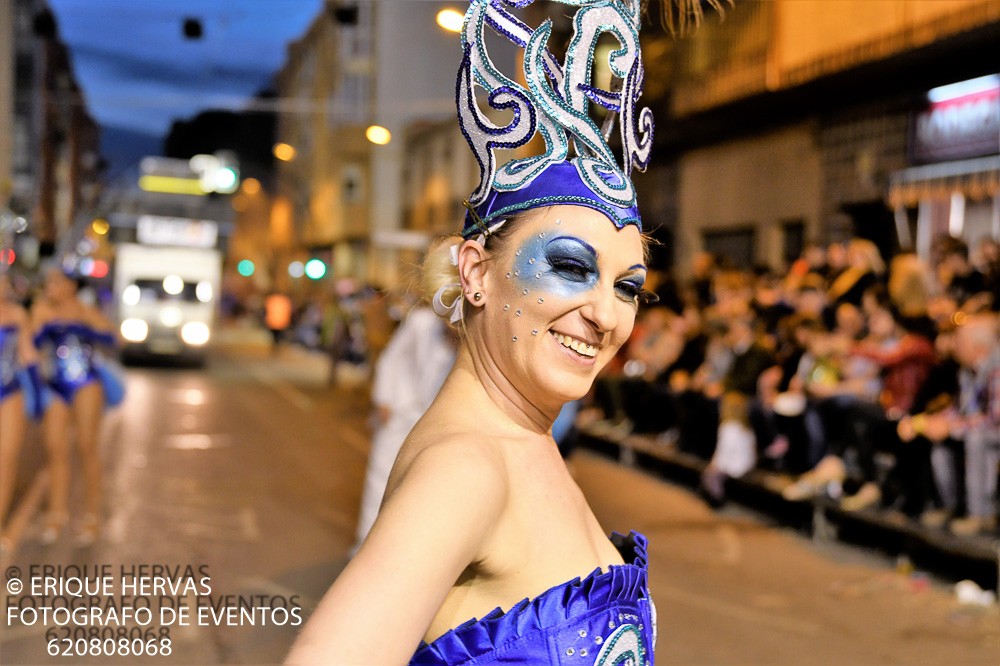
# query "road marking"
(197, 441)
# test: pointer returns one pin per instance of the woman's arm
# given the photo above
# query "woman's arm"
(430, 529)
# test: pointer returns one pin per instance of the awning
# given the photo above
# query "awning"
(976, 179)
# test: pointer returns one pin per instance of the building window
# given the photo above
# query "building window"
(733, 247)
(793, 237)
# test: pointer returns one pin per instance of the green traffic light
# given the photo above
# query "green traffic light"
(245, 268)
(315, 269)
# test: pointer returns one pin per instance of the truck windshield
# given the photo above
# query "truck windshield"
(153, 290)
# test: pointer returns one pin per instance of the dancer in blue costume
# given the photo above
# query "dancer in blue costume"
(68, 334)
(19, 391)
(485, 550)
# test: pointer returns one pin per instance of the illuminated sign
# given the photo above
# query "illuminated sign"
(177, 231)
(963, 121)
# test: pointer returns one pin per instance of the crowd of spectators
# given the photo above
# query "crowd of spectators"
(877, 385)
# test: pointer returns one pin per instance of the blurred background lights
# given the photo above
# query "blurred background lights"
(284, 152)
(171, 316)
(296, 269)
(173, 284)
(245, 268)
(251, 186)
(131, 294)
(378, 135)
(315, 269)
(7, 256)
(451, 20)
(86, 266)
(99, 269)
(204, 291)
(100, 226)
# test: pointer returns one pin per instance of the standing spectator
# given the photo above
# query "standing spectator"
(277, 316)
(977, 421)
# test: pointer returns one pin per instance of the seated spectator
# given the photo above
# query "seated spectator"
(929, 468)
(905, 366)
(864, 270)
(977, 420)
(735, 450)
(956, 274)
(787, 428)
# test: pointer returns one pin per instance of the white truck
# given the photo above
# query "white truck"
(167, 300)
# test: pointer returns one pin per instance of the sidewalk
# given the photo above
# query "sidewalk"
(976, 558)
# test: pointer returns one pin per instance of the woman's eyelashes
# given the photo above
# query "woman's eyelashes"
(629, 290)
(571, 268)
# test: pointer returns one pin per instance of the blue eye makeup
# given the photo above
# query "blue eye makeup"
(560, 265)
(567, 266)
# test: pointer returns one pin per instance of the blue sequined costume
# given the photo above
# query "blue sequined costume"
(67, 356)
(606, 618)
(10, 382)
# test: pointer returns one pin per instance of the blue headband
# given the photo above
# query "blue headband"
(556, 105)
(560, 183)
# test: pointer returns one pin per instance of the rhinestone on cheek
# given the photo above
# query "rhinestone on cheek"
(534, 331)
(541, 300)
(506, 306)
(517, 312)
(524, 291)
(531, 261)
(508, 275)
(514, 339)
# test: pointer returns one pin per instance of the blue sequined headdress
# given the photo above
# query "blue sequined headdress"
(577, 167)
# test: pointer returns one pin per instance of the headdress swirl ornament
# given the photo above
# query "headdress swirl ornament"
(577, 166)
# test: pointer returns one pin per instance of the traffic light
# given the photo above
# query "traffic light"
(315, 269)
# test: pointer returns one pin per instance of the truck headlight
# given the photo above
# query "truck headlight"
(195, 333)
(134, 330)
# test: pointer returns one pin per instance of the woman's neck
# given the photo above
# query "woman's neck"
(478, 379)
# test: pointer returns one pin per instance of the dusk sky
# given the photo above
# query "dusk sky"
(139, 73)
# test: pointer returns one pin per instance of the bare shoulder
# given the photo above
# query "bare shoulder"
(461, 461)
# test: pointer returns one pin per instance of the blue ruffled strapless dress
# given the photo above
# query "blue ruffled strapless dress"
(607, 618)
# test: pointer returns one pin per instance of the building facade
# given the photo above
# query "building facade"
(795, 121)
(51, 165)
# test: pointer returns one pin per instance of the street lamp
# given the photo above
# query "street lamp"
(451, 20)
(378, 135)
(284, 152)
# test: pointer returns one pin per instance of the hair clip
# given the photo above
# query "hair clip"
(478, 221)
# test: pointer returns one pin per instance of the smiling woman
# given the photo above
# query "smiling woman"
(481, 518)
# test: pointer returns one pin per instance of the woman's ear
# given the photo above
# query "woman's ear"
(472, 266)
